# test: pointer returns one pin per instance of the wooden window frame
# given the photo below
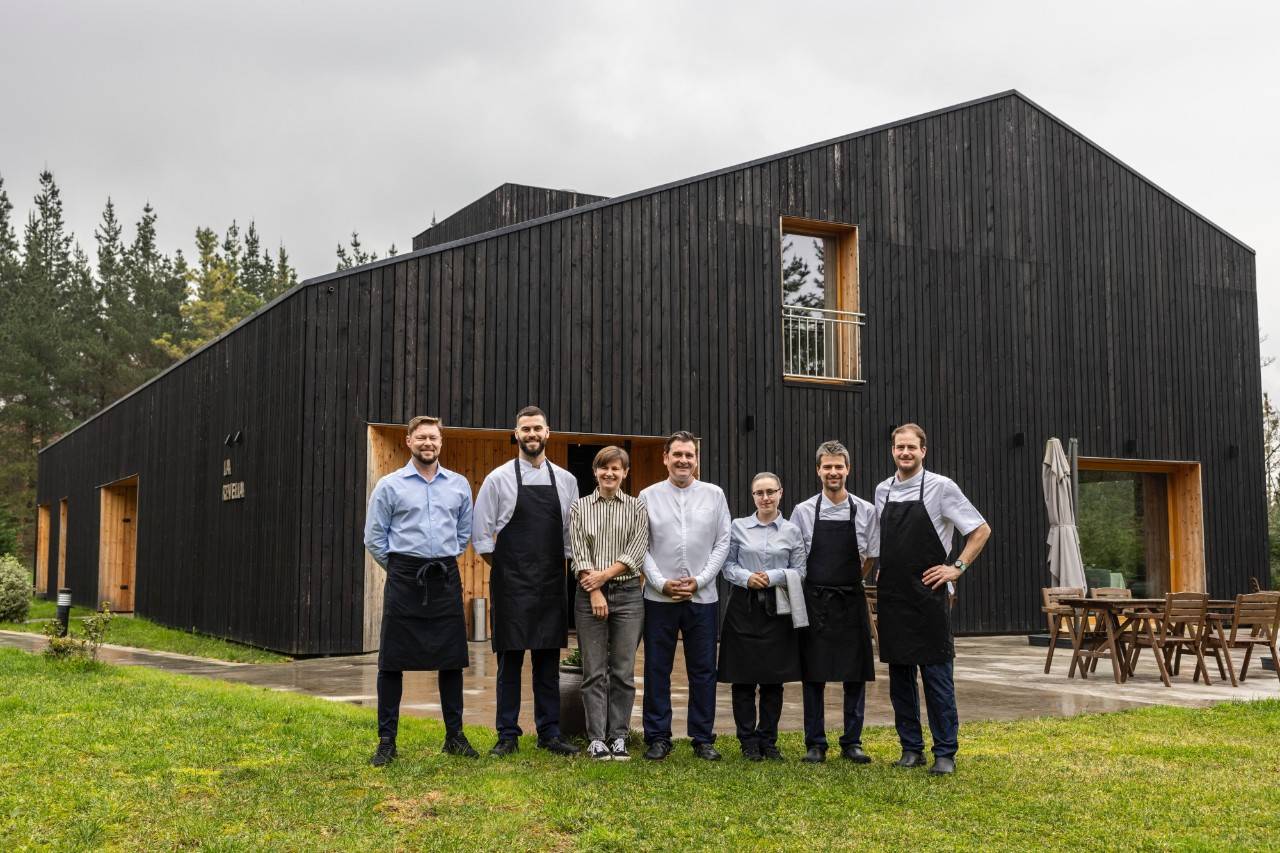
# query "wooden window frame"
(848, 295)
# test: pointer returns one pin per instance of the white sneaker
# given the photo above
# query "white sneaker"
(598, 751)
(618, 750)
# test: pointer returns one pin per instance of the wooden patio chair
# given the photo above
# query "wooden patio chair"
(874, 614)
(1060, 617)
(1255, 621)
(1089, 625)
(1182, 624)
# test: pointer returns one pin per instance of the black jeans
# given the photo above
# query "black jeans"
(546, 692)
(760, 730)
(391, 688)
(815, 713)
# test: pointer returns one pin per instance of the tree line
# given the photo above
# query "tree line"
(77, 333)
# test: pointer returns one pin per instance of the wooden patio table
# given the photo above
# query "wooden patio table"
(1117, 615)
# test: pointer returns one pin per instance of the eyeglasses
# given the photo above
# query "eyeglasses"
(766, 493)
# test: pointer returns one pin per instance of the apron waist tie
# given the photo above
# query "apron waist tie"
(818, 615)
(420, 577)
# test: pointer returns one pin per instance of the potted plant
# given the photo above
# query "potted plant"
(573, 717)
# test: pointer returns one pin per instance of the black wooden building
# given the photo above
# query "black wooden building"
(989, 273)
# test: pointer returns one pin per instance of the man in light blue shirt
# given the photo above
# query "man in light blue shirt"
(419, 521)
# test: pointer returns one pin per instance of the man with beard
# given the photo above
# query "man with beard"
(419, 521)
(918, 513)
(836, 646)
(689, 535)
(522, 532)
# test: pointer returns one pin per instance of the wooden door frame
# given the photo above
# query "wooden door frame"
(113, 559)
(44, 519)
(1185, 511)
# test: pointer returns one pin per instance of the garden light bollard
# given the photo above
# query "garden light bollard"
(479, 620)
(64, 611)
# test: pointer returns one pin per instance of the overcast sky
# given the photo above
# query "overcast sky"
(317, 118)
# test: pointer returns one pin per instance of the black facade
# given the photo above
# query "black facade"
(1018, 283)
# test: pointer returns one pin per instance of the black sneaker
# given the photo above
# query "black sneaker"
(457, 744)
(751, 751)
(706, 752)
(770, 752)
(505, 746)
(618, 750)
(855, 754)
(558, 746)
(598, 751)
(658, 750)
(385, 753)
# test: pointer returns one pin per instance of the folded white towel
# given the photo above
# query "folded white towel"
(790, 599)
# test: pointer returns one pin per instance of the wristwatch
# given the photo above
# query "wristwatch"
(961, 565)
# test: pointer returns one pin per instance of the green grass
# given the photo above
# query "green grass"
(125, 757)
(141, 633)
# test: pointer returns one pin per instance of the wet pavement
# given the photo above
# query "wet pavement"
(997, 678)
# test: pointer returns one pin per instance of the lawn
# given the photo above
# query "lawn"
(143, 634)
(129, 757)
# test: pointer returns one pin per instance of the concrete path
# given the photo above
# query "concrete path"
(997, 678)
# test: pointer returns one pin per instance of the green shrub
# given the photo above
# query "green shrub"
(83, 647)
(15, 589)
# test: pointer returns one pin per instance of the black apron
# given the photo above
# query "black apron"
(526, 580)
(423, 626)
(837, 644)
(757, 646)
(915, 621)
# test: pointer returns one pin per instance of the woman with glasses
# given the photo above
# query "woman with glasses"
(759, 647)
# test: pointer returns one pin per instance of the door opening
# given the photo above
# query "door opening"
(118, 544)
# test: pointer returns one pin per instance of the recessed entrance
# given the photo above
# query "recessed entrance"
(118, 543)
(473, 453)
(1141, 525)
(44, 516)
(62, 544)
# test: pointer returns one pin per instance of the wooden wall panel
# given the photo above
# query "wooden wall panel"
(44, 515)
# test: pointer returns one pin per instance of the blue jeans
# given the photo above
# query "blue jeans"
(939, 699)
(696, 623)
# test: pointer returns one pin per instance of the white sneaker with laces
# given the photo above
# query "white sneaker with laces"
(618, 750)
(598, 751)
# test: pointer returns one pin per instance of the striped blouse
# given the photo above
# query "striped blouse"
(604, 531)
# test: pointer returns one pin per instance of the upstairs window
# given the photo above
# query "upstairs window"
(821, 323)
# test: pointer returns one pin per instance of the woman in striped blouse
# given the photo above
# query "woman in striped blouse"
(609, 533)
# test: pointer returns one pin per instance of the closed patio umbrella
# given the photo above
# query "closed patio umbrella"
(1065, 563)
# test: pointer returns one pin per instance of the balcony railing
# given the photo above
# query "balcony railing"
(821, 343)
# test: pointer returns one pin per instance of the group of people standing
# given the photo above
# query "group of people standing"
(646, 569)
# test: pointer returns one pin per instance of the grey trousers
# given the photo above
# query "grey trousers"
(609, 658)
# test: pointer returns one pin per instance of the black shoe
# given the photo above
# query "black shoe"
(855, 754)
(910, 759)
(942, 766)
(457, 744)
(770, 752)
(706, 752)
(751, 751)
(385, 753)
(815, 755)
(505, 746)
(658, 750)
(557, 745)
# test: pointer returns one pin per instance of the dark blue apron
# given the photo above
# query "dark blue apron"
(837, 644)
(915, 620)
(526, 580)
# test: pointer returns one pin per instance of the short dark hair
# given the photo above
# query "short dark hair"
(832, 448)
(680, 435)
(610, 454)
(909, 427)
(425, 420)
(531, 412)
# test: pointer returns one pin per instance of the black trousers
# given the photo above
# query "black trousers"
(546, 692)
(761, 729)
(815, 716)
(391, 688)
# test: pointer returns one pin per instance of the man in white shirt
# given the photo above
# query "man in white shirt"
(522, 532)
(919, 512)
(689, 526)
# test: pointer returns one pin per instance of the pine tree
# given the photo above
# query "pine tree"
(159, 288)
(357, 256)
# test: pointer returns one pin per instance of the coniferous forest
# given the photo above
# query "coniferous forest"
(79, 328)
